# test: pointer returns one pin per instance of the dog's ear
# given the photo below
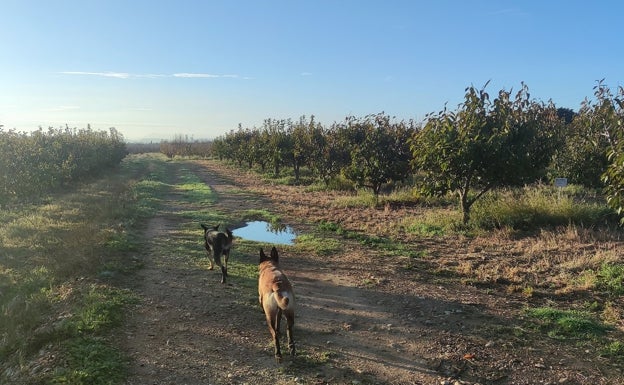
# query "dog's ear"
(274, 255)
(229, 233)
(263, 256)
(216, 228)
(203, 226)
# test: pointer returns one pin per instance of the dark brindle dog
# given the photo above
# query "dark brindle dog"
(277, 298)
(218, 243)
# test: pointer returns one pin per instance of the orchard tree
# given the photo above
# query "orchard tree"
(379, 151)
(220, 148)
(614, 178)
(239, 144)
(589, 138)
(328, 154)
(301, 139)
(484, 145)
(567, 114)
(278, 144)
(606, 118)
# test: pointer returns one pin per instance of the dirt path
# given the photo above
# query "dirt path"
(359, 321)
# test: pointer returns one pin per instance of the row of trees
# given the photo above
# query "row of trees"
(370, 151)
(181, 145)
(483, 144)
(38, 162)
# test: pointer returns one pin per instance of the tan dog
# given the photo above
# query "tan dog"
(218, 243)
(276, 298)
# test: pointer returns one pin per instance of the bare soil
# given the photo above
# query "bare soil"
(362, 318)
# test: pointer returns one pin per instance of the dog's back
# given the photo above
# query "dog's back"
(273, 284)
(277, 298)
(218, 243)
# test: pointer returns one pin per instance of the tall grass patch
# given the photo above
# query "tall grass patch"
(433, 222)
(362, 199)
(537, 206)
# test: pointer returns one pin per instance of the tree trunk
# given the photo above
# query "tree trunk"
(296, 170)
(464, 205)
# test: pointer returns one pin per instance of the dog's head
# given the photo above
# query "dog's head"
(273, 259)
(212, 235)
(207, 229)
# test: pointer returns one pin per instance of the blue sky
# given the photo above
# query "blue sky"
(155, 69)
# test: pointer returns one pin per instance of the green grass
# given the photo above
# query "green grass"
(581, 327)
(91, 360)
(193, 189)
(91, 357)
(613, 350)
(101, 308)
(567, 324)
(318, 245)
(610, 279)
(325, 245)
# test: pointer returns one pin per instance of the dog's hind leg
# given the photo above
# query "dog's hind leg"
(273, 320)
(290, 321)
(210, 258)
(217, 251)
(209, 253)
(223, 273)
(224, 267)
(225, 251)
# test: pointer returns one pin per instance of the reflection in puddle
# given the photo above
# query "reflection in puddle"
(261, 231)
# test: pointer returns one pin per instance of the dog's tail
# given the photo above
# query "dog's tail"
(282, 299)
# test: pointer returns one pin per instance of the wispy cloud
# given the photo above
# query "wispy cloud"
(119, 75)
(306, 74)
(194, 75)
(125, 75)
(200, 75)
(61, 108)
